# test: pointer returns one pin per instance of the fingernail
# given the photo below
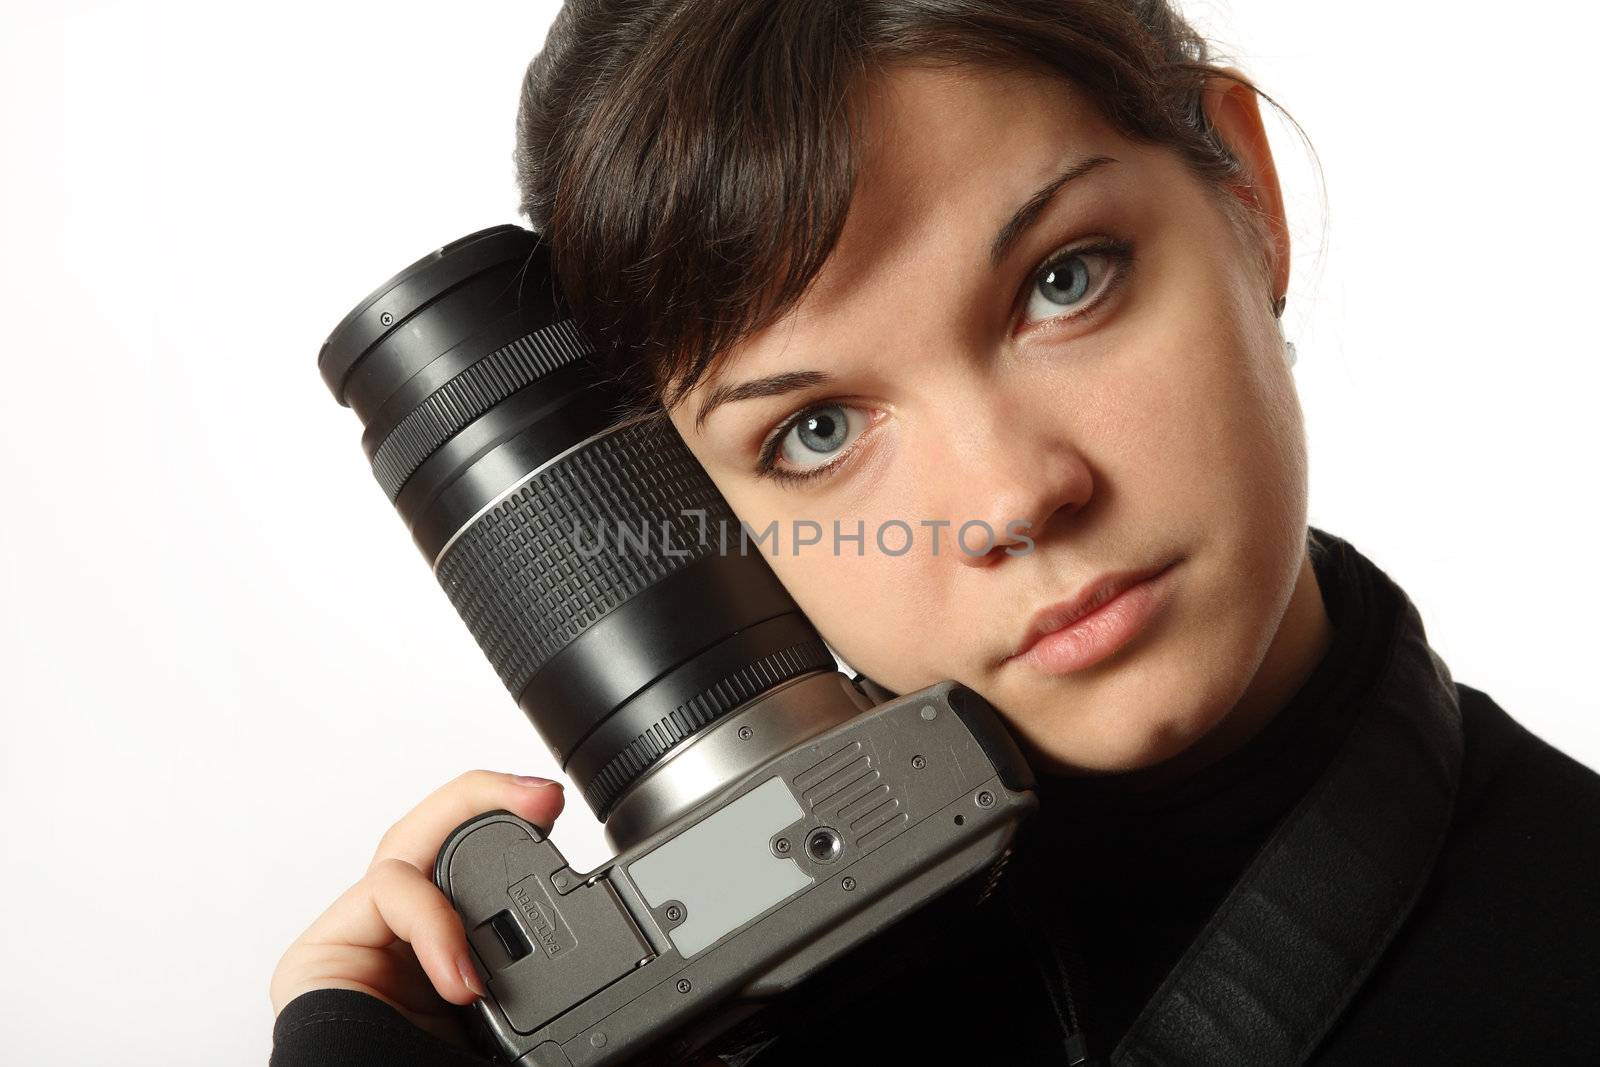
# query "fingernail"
(469, 977)
(529, 779)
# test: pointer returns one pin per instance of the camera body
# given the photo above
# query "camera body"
(808, 855)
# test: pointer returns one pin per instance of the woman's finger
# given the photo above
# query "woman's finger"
(397, 901)
(417, 837)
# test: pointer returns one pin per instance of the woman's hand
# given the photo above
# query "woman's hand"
(393, 934)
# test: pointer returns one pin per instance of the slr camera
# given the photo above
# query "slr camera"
(769, 814)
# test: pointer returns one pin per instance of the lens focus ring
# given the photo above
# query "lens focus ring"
(469, 394)
(517, 576)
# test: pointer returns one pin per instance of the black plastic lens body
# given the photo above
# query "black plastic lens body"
(584, 556)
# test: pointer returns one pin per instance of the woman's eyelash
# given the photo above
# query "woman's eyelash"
(1118, 251)
(1115, 249)
(767, 462)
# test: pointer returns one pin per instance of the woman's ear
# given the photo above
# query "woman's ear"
(1235, 113)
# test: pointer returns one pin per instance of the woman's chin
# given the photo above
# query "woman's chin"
(1134, 721)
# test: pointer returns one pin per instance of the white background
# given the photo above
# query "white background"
(224, 668)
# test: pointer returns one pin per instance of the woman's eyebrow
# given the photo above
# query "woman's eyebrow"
(1030, 211)
(771, 385)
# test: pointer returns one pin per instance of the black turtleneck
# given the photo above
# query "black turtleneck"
(1162, 858)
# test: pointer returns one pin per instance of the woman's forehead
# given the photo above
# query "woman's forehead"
(950, 154)
(928, 129)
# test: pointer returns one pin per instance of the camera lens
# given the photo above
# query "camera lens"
(585, 553)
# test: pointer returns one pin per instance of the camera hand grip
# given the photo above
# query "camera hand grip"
(525, 936)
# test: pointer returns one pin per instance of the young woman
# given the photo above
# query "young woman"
(1021, 263)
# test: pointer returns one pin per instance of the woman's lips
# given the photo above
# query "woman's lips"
(1066, 637)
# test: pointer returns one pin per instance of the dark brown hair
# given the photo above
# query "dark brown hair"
(691, 161)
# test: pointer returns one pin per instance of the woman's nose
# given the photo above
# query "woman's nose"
(1016, 480)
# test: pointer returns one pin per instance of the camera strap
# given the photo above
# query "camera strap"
(1301, 930)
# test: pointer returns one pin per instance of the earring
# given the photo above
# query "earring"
(1289, 354)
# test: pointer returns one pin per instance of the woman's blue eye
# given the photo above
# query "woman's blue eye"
(820, 434)
(1069, 284)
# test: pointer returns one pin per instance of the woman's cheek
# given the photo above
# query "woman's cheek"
(844, 597)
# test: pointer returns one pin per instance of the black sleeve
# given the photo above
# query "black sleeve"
(344, 1028)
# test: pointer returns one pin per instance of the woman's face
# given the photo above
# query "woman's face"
(1127, 407)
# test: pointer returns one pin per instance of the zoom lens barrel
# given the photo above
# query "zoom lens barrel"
(573, 545)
